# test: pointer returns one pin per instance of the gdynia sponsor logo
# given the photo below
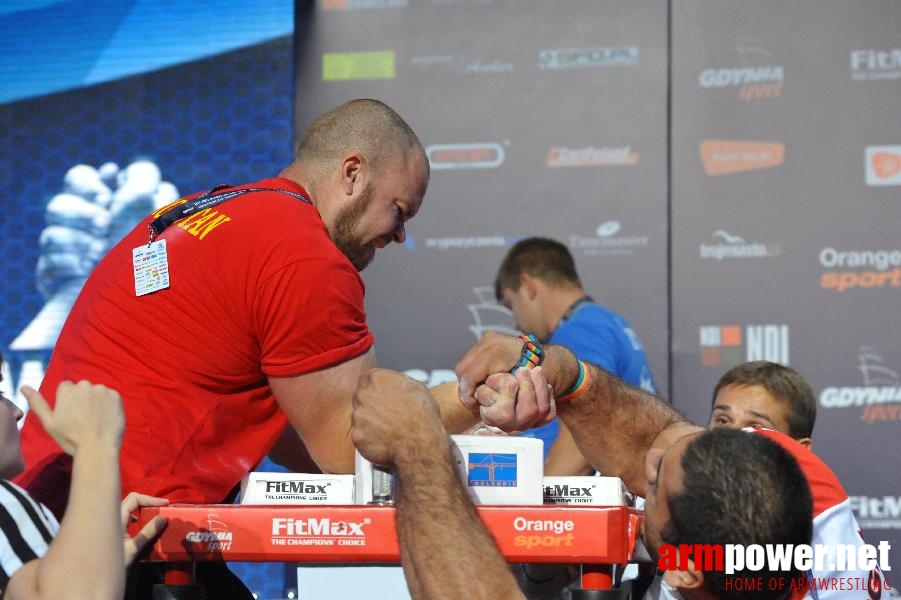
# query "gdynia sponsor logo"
(864, 269)
(874, 65)
(733, 246)
(880, 395)
(736, 558)
(753, 83)
(577, 58)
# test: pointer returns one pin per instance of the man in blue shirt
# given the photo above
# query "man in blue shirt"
(538, 281)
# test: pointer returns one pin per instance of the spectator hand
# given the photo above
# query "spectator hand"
(84, 414)
(392, 416)
(154, 527)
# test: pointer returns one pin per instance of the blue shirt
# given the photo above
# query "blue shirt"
(602, 337)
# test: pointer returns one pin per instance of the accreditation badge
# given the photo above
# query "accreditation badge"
(151, 267)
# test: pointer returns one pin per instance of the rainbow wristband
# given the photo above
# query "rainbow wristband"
(532, 353)
(578, 388)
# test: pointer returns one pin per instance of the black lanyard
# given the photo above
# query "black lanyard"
(207, 200)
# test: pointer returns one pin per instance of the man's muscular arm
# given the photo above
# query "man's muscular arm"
(445, 550)
(613, 423)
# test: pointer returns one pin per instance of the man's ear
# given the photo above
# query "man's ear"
(529, 284)
(806, 442)
(351, 168)
(689, 579)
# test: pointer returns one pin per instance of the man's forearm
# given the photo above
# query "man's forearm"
(456, 417)
(445, 549)
(613, 423)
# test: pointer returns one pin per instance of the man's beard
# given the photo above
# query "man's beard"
(360, 255)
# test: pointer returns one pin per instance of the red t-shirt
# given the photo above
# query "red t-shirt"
(257, 289)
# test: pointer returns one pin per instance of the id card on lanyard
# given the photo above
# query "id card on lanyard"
(151, 262)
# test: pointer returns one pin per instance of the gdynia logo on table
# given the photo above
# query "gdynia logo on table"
(746, 560)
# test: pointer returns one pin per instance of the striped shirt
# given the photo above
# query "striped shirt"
(26, 530)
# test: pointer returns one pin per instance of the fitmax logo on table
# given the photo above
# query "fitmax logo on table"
(879, 398)
(729, 345)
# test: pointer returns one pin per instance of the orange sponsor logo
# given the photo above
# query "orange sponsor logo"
(886, 164)
(721, 157)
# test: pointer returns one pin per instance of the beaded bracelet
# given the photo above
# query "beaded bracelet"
(579, 387)
(532, 353)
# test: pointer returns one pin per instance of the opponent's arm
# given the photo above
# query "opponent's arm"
(318, 408)
(445, 549)
(613, 423)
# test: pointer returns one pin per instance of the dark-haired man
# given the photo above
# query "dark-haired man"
(538, 281)
(765, 394)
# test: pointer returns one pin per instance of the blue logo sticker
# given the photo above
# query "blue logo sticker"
(491, 470)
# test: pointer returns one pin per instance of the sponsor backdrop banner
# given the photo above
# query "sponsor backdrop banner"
(727, 174)
(786, 162)
(540, 118)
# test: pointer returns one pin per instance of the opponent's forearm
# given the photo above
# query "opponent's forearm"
(86, 560)
(456, 417)
(445, 548)
(614, 424)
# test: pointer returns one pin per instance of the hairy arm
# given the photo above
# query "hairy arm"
(613, 424)
(446, 552)
(445, 548)
(564, 457)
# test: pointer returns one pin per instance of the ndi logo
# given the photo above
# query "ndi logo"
(491, 469)
(729, 345)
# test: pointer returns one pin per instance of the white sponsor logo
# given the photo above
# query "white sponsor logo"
(853, 259)
(575, 58)
(874, 65)
(591, 156)
(728, 77)
(881, 385)
(483, 241)
(733, 246)
(877, 512)
(460, 63)
(318, 532)
(606, 242)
